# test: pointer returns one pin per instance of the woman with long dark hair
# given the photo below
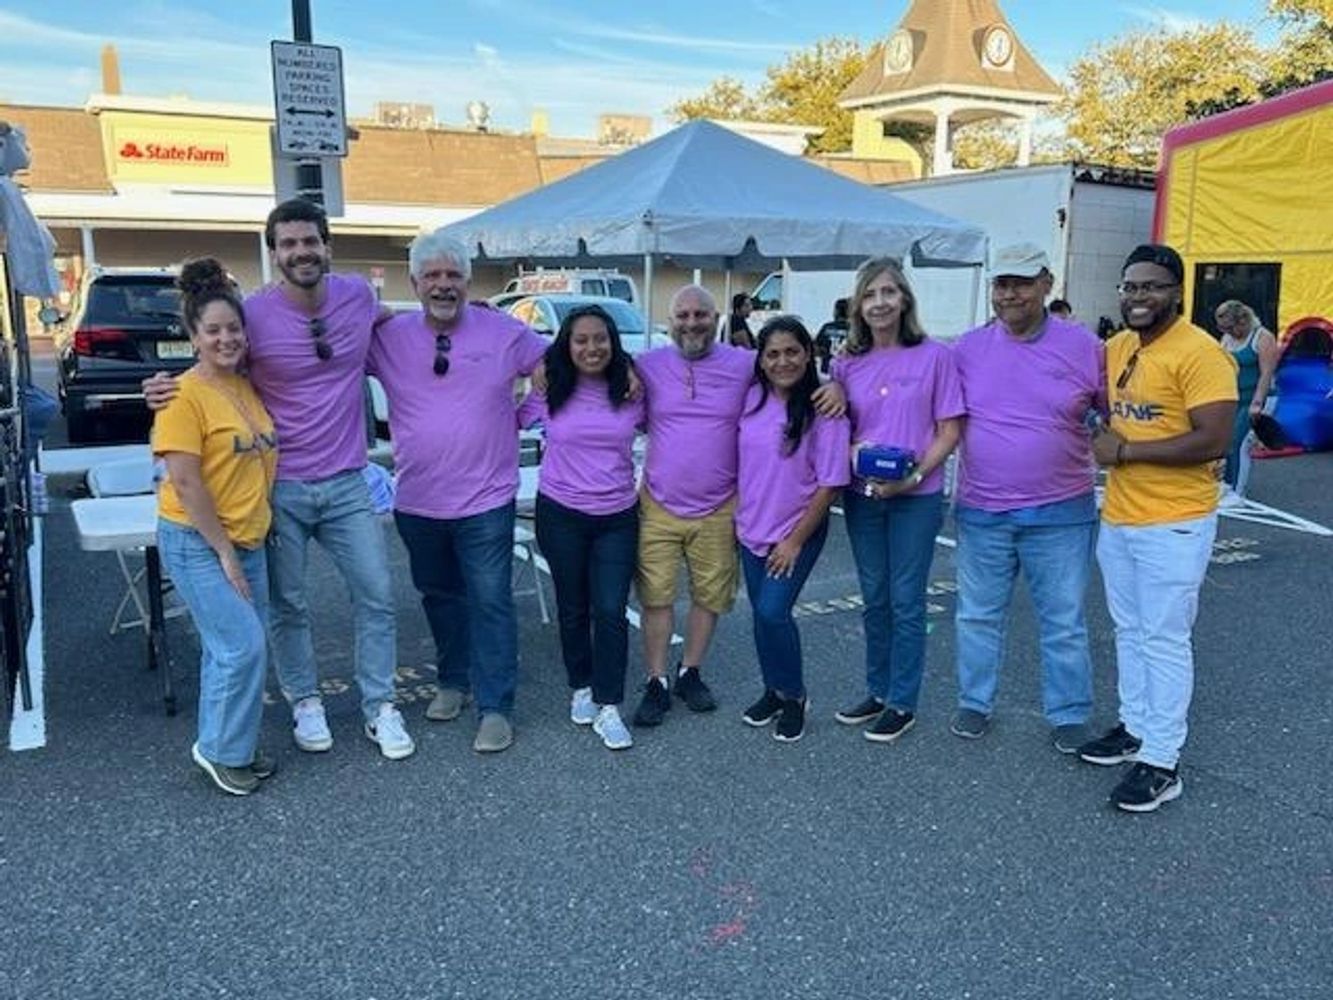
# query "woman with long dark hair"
(792, 464)
(588, 511)
(903, 393)
(218, 443)
(738, 322)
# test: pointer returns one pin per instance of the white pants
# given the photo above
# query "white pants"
(1152, 576)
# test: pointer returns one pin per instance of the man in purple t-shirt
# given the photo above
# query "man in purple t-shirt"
(1025, 494)
(309, 332)
(448, 372)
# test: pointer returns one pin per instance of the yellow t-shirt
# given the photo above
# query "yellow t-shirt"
(1182, 369)
(223, 422)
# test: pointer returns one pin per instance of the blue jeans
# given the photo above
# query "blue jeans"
(463, 568)
(893, 544)
(1056, 560)
(777, 642)
(335, 512)
(232, 641)
(592, 559)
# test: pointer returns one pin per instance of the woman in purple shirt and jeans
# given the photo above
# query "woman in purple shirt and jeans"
(792, 464)
(902, 392)
(588, 511)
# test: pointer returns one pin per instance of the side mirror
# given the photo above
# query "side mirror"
(50, 315)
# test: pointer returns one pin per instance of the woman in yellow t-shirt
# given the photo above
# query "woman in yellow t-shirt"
(219, 447)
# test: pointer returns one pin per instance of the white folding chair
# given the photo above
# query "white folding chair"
(128, 477)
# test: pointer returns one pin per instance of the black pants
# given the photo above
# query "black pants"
(592, 563)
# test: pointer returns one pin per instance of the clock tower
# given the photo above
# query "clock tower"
(948, 63)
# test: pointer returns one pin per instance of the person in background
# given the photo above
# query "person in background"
(793, 464)
(309, 333)
(902, 392)
(448, 370)
(1025, 494)
(738, 323)
(831, 336)
(1256, 353)
(588, 510)
(1061, 308)
(218, 443)
(1172, 393)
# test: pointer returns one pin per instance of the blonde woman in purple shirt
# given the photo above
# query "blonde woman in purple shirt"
(902, 392)
(588, 510)
(792, 464)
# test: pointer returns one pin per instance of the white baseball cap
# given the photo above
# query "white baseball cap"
(1019, 260)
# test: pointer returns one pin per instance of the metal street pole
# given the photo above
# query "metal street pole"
(309, 175)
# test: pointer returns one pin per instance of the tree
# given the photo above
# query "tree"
(802, 90)
(1304, 53)
(724, 98)
(1123, 96)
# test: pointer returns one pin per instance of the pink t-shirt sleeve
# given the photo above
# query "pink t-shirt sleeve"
(832, 441)
(532, 410)
(949, 402)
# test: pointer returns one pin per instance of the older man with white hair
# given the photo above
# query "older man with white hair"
(448, 371)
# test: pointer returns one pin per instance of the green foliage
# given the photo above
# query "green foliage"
(802, 90)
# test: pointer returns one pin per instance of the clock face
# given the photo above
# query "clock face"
(898, 53)
(998, 47)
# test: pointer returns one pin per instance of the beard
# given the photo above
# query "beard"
(289, 270)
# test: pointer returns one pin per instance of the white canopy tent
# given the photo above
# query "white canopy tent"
(704, 196)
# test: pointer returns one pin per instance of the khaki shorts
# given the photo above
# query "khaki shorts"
(708, 544)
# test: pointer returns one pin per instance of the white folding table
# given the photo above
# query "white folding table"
(119, 524)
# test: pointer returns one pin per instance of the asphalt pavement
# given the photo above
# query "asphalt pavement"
(707, 861)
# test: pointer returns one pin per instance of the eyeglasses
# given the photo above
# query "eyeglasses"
(323, 349)
(1123, 380)
(1129, 289)
(443, 345)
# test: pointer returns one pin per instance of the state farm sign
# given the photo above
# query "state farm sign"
(182, 153)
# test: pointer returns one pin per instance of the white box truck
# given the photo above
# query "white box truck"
(1087, 218)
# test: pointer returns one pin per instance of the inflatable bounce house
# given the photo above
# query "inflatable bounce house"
(1247, 198)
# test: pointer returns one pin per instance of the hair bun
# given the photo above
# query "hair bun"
(205, 274)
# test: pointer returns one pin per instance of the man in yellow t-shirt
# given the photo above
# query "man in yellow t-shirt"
(1171, 391)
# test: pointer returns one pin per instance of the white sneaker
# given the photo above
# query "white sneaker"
(311, 728)
(582, 709)
(611, 728)
(390, 733)
(1230, 498)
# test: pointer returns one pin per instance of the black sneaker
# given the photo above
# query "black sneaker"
(691, 689)
(763, 711)
(1116, 747)
(263, 766)
(655, 705)
(1146, 787)
(791, 722)
(863, 711)
(891, 724)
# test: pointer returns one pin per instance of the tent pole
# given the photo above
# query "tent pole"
(647, 301)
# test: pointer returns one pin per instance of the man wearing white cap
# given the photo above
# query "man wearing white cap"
(1032, 383)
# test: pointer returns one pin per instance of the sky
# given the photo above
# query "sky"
(571, 60)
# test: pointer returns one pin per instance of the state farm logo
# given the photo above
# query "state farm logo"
(174, 152)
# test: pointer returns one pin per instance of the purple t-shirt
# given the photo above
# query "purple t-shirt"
(775, 487)
(896, 395)
(318, 407)
(588, 460)
(693, 409)
(455, 440)
(1024, 443)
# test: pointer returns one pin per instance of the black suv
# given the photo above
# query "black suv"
(125, 326)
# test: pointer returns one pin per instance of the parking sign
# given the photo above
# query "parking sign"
(308, 99)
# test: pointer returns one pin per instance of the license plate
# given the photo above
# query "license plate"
(175, 349)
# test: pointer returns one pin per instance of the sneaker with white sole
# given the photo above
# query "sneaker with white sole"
(582, 709)
(232, 780)
(389, 731)
(611, 728)
(495, 734)
(310, 727)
